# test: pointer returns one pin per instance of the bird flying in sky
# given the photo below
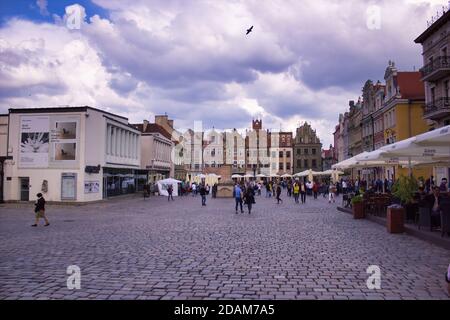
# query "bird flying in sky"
(249, 30)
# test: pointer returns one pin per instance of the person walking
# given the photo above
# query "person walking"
(238, 197)
(296, 191)
(332, 191)
(203, 194)
(289, 189)
(315, 189)
(278, 192)
(194, 189)
(268, 195)
(39, 209)
(249, 199)
(170, 192)
(214, 190)
(303, 192)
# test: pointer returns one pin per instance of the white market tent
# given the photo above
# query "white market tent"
(164, 184)
(286, 175)
(236, 176)
(260, 175)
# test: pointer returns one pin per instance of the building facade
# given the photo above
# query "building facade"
(355, 145)
(328, 158)
(307, 149)
(4, 120)
(435, 41)
(235, 151)
(156, 151)
(213, 149)
(74, 154)
(281, 148)
(257, 149)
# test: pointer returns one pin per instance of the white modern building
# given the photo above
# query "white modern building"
(74, 154)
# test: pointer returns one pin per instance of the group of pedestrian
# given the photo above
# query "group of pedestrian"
(244, 194)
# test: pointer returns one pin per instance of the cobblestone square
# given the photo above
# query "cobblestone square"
(132, 248)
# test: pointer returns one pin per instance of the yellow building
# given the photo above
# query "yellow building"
(403, 112)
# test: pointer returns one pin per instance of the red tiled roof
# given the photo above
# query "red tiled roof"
(411, 87)
(153, 128)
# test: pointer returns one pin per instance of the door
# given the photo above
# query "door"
(25, 189)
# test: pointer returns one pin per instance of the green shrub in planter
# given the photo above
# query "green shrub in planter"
(404, 189)
(358, 207)
(357, 199)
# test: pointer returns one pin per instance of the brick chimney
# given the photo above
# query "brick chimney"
(144, 126)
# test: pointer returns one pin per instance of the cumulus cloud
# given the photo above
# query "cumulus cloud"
(302, 62)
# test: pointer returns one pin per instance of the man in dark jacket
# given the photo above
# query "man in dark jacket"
(170, 192)
(278, 194)
(434, 203)
(39, 209)
(203, 194)
(249, 199)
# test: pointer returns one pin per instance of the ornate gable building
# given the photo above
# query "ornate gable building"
(307, 149)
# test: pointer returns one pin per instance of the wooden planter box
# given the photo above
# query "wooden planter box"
(358, 210)
(395, 220)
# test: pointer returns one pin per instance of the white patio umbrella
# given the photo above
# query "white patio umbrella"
(301, 174)
(348, 163)
(236, 176)
(286, 175)
(330, 172)
(261, 175)
(435, 137)
(418, 146)
(248, 176)
(310, 175)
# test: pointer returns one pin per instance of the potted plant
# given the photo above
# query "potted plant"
(403, 190)
(358, 207)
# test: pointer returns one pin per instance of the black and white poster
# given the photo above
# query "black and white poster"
(34, 142)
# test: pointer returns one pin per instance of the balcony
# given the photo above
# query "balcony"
(438, 109)
(437, 69)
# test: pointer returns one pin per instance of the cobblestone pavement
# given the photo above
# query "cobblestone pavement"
(150, 249)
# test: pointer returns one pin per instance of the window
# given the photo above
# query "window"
(274, 166)
(288, 166)
(313, 151)
(299, 163)
(288, 154)
(274, 154)
(305, 163)
(314, 163)
(281, 166)
(446, 88)
(299, 152)
(306, 151)
(433, 95)
(281, 154)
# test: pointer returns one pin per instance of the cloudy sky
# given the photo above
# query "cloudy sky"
(191, 59)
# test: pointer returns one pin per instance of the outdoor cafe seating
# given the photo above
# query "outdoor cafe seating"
(442, 222)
